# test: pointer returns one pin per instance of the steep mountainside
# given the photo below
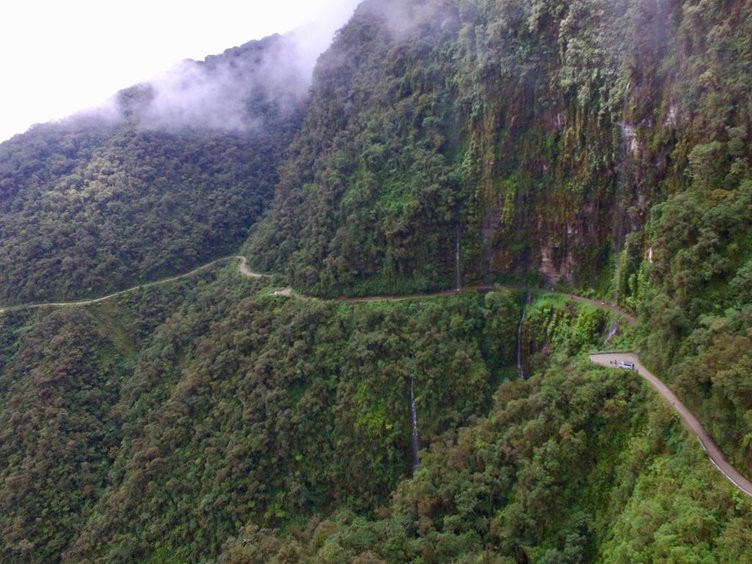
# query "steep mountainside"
(164, 420)
(570, 468)
(601, 146)
(169, 178)
(536, 135)
(604, 145)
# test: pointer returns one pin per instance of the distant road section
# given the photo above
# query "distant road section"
(631, 319)
(715, 454)
(604, 359)
(288, 292)
(243, 269)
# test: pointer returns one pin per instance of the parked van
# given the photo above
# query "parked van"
(625, 365)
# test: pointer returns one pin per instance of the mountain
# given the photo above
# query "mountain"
(601, 146)
(467, 200)
(169, 177)
(539, 136)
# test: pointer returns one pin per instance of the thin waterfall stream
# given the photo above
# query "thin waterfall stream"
(457, 272)
(612, 331)
(414, 417)
(627, 138)
(520, 369)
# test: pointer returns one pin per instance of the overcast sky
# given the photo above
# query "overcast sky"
(60, 56)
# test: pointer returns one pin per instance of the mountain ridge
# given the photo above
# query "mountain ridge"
(98, 202)
(590, 147)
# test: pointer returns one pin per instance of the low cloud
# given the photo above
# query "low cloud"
(234, 90)
(403, 18)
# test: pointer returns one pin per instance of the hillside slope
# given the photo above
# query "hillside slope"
(535, 136)
(165, 419)
(597, 144)
(170, 177)
(203, 419)
(600, 145)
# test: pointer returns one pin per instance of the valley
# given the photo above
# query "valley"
(368, 312)
(604, 359)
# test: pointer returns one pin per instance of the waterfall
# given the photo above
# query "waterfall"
(628, 138)
(414, 417)
(520, 369)
(612, 331)
(458, 274)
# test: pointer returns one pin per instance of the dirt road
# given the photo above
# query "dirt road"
(606, 359)
(715, 454)
(631, 319)
(289, 292)
(243, 269)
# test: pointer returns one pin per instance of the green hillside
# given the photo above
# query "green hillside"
(195, 408)
(544, 132)
(580, 168)
(597, 145)
(100, 202)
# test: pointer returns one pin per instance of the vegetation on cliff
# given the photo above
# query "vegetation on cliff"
(230, 409)
(598, 145)
(102, 202)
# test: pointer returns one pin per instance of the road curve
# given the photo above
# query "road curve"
(631, 319)
(245, 271)
(290, 293)
(714, 453)
(604, 359)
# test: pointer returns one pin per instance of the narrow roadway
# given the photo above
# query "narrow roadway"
(289, 292)
(243, 269)
(606, 359)
(714, 453)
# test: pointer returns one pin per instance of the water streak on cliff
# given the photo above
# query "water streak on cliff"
(612, 331)
(458, 273)
(414, 417)
(520, 368)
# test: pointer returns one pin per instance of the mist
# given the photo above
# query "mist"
(70, 57)
(232, 91)
(403, 18)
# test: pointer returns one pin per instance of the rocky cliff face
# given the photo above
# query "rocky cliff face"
(545, 130)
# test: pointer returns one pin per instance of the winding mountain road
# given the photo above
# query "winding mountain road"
(288, 292)
(603, 359)
(244, 269)
(714, 453)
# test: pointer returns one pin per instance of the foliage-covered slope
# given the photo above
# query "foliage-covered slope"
(604, 144)
(189, 420)
(151, 188)
(199, 419)
(61, 375)
(231, 410)
(688, 271)
(600, 144)
(575, 466)
(537, 135)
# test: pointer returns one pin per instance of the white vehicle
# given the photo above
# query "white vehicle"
(625, 365)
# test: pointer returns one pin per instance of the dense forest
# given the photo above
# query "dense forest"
(597, 145)
(211, 419)
(195, 408)
(540, 135)
(108, 199)
(531, 150)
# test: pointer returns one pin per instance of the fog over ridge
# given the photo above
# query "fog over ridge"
(232, 90)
